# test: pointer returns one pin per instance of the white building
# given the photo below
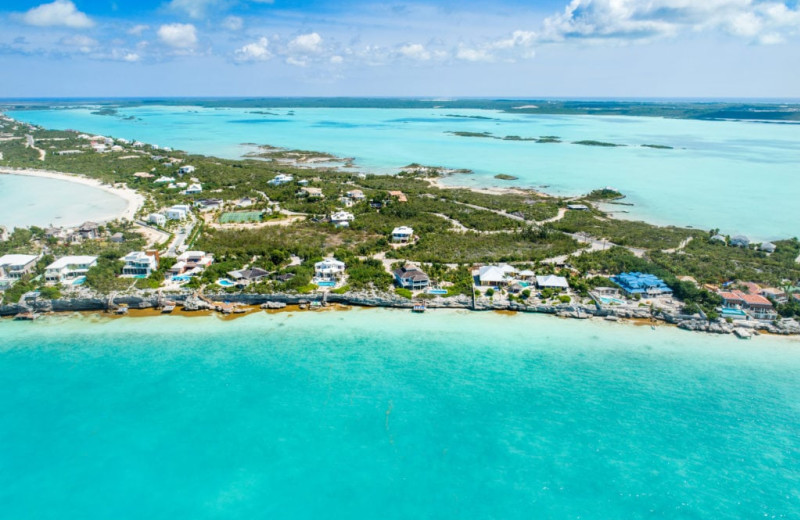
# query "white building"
(245, 202)
(14, 267)
(551, 281)
(139, 263)
(311, 193)
(164, 179)
(279, 179)
(356, 195)
(342, 218)
(329, 269)
(194, 188)
(496, 274)
(177, 212)
(347, 202)
(69, 268)
(191, 262)
(402, 234)
(158, 219)
(185, 170)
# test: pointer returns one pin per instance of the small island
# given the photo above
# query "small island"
(505, 177)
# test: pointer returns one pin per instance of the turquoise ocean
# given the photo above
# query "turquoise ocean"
(741, 177)
(385, 414)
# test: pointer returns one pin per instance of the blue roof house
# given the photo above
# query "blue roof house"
(641, 283)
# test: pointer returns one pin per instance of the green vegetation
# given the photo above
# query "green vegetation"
(657, 146)
(505, 177)
(591, 142)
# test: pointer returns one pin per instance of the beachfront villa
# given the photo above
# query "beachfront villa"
(69, 268)
(641, 283)
(246, 276)
(328, 270)
(496, 275)
(14, 267)
(342, 218)
(163, 180)
(411, 277)
(754, 305)
(552, 281)
(194, 189)
(157, 218)
(356, 195)
(139, 264)
(177, 212)
(281, 178)
(773, 293)
(185, 170)
(402, 234)
(191, 263)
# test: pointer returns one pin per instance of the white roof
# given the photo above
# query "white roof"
(342, 215)
(329, 263)
(491, 273)
(403, 230)
(552, 280)
(65, 261)
(526, 272)
(17, 259)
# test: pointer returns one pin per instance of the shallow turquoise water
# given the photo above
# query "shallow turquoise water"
(385, 414)
(26, 201)
(736, 176)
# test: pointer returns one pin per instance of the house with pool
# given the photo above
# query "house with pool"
(139, 264)
(411, 277)
(402, 235)
(189, 264)
(328, 272)
(641, 283)
(70, 269)
(753, 305)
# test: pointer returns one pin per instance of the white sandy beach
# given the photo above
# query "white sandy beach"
(133, 199)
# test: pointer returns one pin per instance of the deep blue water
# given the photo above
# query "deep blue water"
(381, 414)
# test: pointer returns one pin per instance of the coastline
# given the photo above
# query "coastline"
(134, 200)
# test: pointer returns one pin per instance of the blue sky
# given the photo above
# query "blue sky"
(557, 48)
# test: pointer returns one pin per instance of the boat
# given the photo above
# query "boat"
(166, 309)
(123, 309)
(418, 307)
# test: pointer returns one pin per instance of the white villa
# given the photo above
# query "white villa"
(347, 202)
(279, 179)
(164, 179)
(139, 263)
(402, 234)
(342, 218)
(311, 193)
(177, 212)
(14, 267)
(157, 218)
(328, 270)
(183, 170)
(191, 262)
(496, 274)
(68, 268)
(551, 281)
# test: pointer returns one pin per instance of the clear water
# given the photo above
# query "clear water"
(728, 175)
(387, 414)
(79, 280)
(26, 201)
(225, 283)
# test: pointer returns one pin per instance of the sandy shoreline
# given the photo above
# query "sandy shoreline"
(493, 190)
(133, 200)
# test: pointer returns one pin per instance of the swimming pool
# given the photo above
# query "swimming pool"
(79, 280)
(326, 284)
(734, 313)
(181, 278)
(436, 291)
(609, 300)
(224, 282)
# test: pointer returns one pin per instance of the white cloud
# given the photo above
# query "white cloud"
(645, 20)
(137, 30)
(415, 51)
(130, 57)
(310, 43)
(193, 8)
(336, 59)
(297, 62)
(255, 51)
(83, 43)
(233, 23)
(178, 35)
(61, 13)
(468, 54)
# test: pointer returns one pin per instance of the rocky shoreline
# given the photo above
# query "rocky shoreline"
(276, 301)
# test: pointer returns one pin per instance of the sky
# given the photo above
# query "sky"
(444, 48)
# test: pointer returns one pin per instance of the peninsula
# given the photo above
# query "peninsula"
(298, 227)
